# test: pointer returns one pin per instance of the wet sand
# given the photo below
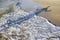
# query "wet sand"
(54, 15)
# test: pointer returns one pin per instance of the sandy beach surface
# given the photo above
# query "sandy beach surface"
(54, 15)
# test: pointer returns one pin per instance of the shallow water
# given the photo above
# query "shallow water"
(54, 15)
